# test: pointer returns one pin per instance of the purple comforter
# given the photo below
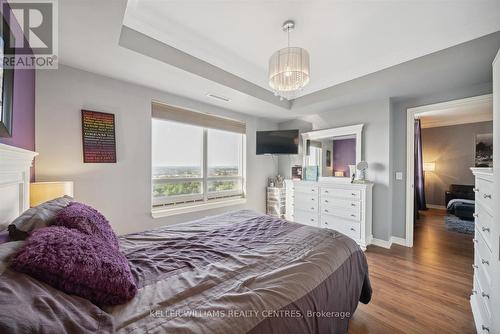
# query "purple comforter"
(239, 272)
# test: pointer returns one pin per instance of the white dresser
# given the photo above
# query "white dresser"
(340, 206)
(481, 298)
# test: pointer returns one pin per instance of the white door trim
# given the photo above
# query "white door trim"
(410, 148)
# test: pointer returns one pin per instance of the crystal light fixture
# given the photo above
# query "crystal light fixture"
(288, 68)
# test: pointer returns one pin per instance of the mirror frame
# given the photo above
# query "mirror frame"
(350, 130)
(7, 89)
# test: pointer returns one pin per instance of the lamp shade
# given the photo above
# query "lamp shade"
(41, 192)
(429, 166)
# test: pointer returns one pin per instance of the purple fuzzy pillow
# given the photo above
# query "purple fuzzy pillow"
(77, 264)
(87, 220)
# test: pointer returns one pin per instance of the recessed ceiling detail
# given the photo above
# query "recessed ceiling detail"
(345, 39)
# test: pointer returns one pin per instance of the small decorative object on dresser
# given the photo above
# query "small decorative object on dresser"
(311, 173)
(481, 298)
(297, 173)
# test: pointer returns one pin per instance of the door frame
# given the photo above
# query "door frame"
(410, 148)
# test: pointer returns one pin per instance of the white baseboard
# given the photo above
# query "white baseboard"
(434, 206)
(381, 243)
(398, 241)
(388, 244)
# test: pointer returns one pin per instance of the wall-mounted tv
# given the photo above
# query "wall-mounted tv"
(278, 142)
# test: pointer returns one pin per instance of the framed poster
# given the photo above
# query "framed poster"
(484, 150)
(98, 133)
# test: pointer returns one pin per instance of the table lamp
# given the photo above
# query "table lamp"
(41, 192)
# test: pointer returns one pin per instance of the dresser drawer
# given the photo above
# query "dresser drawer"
(482, 296)
(342, 213)
(340, 193)
(306, 218)
(340, 203)
(344, 226)
(306, 202)
(484, 194)
(483, 222)
(305, 189)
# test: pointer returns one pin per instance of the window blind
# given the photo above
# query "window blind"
(176, 114)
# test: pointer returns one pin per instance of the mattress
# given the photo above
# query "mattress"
(240, 272)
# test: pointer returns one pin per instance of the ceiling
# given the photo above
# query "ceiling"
(470, 110)
(345, 39)
(359, 49)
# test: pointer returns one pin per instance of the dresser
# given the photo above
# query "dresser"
(481, 297)
(340, 206)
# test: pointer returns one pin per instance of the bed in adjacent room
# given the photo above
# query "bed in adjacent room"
(239, 272)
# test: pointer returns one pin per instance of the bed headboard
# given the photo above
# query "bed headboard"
(15, 166)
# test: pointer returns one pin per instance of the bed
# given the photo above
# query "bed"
(239, 272)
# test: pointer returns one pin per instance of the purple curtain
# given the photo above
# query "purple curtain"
(419, 171)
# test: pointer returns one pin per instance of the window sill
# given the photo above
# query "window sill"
(162, 212)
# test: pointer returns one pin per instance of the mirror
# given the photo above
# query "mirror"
(335, 152)
(6, 83)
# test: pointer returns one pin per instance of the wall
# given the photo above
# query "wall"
(399, 109)
(23, 132)
(285, 162)
(452, 149)
(122, 191)
(375, 117)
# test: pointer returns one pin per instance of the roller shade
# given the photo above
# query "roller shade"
(176, 114)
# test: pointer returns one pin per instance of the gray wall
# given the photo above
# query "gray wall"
(376, 136)
(452, 150)
(285, 162)
(122, 191)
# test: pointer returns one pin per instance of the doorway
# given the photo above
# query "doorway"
(462, 111)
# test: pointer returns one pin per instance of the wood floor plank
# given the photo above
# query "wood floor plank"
(424, 289)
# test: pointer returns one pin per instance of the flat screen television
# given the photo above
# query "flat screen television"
(278, 142)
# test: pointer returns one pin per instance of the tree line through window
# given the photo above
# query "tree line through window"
(192, 163)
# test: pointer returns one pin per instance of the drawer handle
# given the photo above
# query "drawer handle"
(476, 190)
(326, 223)
(312, 208)
(326, 191)
(326, 201)
(475, 214)
(485, 295)
(352, 215)
(353, 204)
(484, 328)
(483, 261)
(353, 194)
(487, 196)
(485, 229)
(312, 219)
(312, 199)
(312, 190)
(353, 229)
(326, 210)
(475, 266)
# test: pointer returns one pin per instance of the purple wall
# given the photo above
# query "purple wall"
(344, 154)
(23, 122)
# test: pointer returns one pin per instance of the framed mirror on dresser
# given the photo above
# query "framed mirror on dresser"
(330, 200)
(335, 151)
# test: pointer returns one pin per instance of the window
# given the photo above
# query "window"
(194, 164)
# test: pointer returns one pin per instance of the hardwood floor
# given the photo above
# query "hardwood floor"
(424, 289)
